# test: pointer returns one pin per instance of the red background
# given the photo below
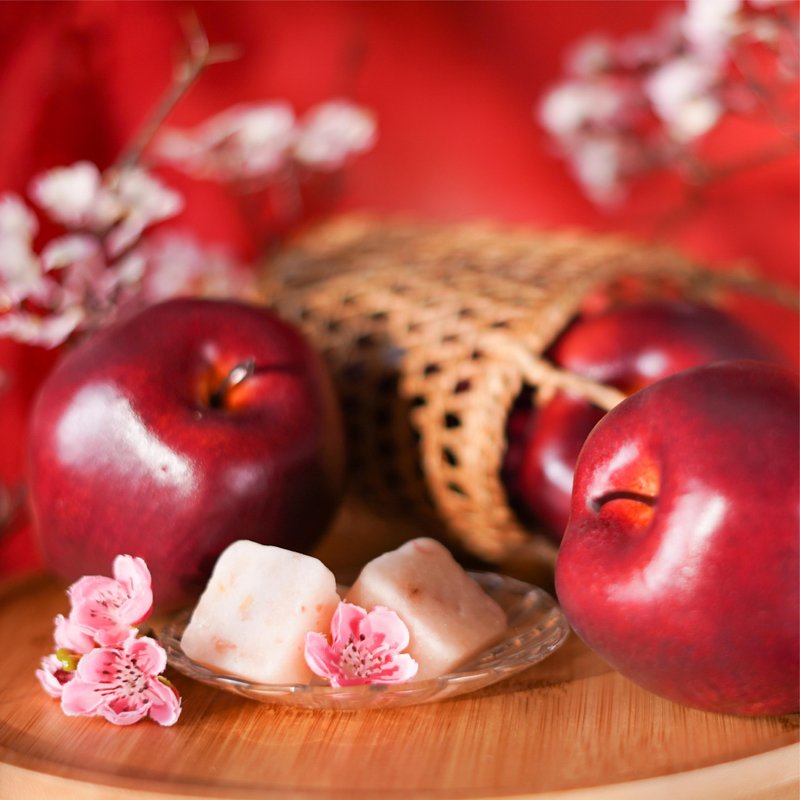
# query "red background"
(453, 86)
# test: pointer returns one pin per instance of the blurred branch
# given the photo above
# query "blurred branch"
(200, 55)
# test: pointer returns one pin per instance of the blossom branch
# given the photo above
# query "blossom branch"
(200, 55)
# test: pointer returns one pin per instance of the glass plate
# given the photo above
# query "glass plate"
(536, 628)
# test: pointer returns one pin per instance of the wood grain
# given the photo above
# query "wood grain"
(568, 727)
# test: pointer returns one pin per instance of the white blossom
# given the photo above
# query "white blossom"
(332, 132)
(575, 104)
(20, 269)
(709, 25)
(590, 56)
(245, 141)
(16, 219)
(72, 195)
(65, 250)
(178, 264)
(683, 95)
(598, 164)
(43, 331)
(142, 200)
(644, 49)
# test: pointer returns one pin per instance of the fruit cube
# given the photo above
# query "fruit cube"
(449, 616)
(253, 616)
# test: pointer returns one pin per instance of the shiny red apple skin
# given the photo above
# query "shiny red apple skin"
(628, 347)
(132, 452)
(693, 594)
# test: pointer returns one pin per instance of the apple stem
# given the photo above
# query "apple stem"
(645, 499)
(238, 374)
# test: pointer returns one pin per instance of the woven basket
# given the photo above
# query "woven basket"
(431, 333)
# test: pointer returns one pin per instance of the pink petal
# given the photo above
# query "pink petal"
(80, 698)
(89, 586)
(165, 707)
(319, 656)
(398, 669)
(70, 635)
(52, 677)
(134, 576)
(99, 666)
(150, 656)
(128, 716)
(346, 623)
(383, 626)
(97, 617)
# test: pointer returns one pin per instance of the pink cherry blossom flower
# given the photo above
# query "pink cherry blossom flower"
(332, 132)
(122, 685)
(52, 676)
(106, 608)
(71, 636)
(365, 648)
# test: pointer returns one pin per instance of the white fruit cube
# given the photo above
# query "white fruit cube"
(253, 617)
(448, 615)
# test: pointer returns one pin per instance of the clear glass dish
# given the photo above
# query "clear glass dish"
(536, 628)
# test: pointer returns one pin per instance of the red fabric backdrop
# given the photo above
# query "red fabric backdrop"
(453, 85)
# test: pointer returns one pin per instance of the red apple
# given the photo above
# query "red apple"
(629, 348)
(178, 431)
(680, 563)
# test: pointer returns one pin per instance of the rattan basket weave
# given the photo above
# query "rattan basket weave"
(431, 332)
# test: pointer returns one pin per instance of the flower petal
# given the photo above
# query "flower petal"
(165, 704)
(124, 715)
(319, 656)
(384, 626)
(68, 194)
(90, 585)
(99, 666)
(150, 657)
(52, 677)
(346, 623)
(71, 635)
(134, 576)
(80, 698)
(398, 669)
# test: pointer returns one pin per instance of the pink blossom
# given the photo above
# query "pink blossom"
(71, 636)
(365, 648)
(106, 608)
(122, 685)
(243, 142)
(52, 676)
(332, 132)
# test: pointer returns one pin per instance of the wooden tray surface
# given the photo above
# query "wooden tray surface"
(569, 727)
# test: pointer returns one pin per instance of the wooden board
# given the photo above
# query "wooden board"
(567, 728)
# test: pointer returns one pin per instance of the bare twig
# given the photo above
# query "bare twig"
(200, 54)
